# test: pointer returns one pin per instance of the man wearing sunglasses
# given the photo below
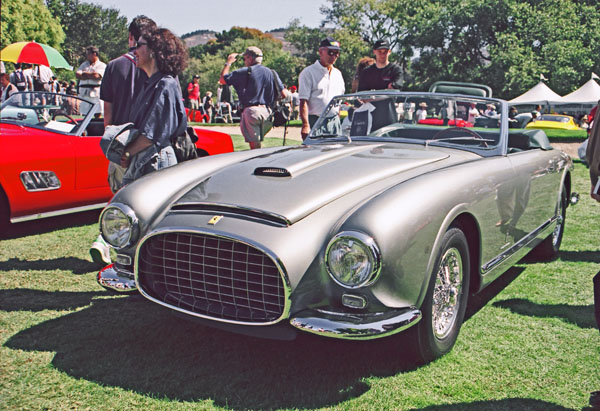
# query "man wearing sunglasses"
(318, 84)
(121, 82)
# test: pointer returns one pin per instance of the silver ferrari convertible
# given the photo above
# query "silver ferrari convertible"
(396, 208)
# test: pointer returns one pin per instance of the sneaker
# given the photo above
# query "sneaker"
(100, 252)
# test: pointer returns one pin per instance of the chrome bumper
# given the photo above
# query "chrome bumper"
(114, 279)
(355, 326)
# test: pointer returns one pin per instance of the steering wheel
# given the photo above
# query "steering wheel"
(452, 129)
(62, 112)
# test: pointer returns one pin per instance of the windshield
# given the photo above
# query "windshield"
(428, 118)
(58, 112)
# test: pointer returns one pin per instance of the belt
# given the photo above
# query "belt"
(88, 86)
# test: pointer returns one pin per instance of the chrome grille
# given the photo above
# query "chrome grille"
(212, 276)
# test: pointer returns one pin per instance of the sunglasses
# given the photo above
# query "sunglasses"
(140, 44)
(333, 52)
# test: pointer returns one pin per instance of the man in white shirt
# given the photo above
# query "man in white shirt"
(28, 72)
(90, 75)
(44, 75)
(318, 84)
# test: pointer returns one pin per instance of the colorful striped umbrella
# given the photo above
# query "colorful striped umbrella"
(34, 53)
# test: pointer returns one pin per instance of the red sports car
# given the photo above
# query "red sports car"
(51, 162)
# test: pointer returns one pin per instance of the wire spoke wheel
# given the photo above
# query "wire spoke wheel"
(557, 233)
(446, 293)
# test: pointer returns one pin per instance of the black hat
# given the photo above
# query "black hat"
(196, 76)
(330, 44)
(381, 44)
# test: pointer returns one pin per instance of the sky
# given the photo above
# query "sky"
(185, 16)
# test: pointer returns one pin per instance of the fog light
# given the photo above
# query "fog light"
(123, 259)
(354, 301)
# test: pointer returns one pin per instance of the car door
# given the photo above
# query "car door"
(30, 158)
(535, 191)
(91, 165)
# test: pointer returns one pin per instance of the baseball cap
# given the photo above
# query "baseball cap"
(255, 52)
(381, 44)
(330, 43)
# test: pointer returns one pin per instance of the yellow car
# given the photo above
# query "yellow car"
(554, 121)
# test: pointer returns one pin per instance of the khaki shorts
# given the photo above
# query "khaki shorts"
(253, 118)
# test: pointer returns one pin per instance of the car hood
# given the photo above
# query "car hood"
(292, 182)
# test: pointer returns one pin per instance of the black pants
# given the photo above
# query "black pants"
(597, 298)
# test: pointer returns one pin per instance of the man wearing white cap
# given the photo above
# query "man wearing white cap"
(318, 84)
(255, 85)
(90, 75)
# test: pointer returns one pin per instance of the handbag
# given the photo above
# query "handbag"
(280, 112)
(185, 145)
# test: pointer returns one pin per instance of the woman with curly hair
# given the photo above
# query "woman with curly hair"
(158, 112)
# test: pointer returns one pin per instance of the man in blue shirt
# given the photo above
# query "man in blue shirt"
(255, 85)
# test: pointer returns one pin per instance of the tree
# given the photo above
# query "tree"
(89, 24)
(207, 60)
(504, 43)
(371, 20)
(306, 41)
(26, 20)
(509, 43)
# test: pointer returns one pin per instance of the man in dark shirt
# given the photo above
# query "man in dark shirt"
(254, 85)
(122, 79)
(379, 76)
(382, 74)
(121, 82)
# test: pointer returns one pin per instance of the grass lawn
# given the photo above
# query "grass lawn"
(529, 342)
(576, 135)
(239, 144)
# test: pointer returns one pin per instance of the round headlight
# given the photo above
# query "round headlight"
(118, 225)
(353, 259)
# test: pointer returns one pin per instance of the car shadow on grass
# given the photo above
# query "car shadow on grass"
(580, 256)
(581, 315)
(72, 264)
(479, 300)
(24, 299)
(46, 225)
(497, 405)
(134, 344)
(131, 343)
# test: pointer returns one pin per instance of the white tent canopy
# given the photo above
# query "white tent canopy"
(540, 93)
(586, 94)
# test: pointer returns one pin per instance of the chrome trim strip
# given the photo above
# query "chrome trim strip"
(490, 265)
(57, 213)
(191, 230)
(356, 326)
(222, 208)
(112, 278)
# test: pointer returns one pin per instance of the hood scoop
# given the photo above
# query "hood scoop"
(272, 172)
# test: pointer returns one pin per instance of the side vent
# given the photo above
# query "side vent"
(271, 172)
